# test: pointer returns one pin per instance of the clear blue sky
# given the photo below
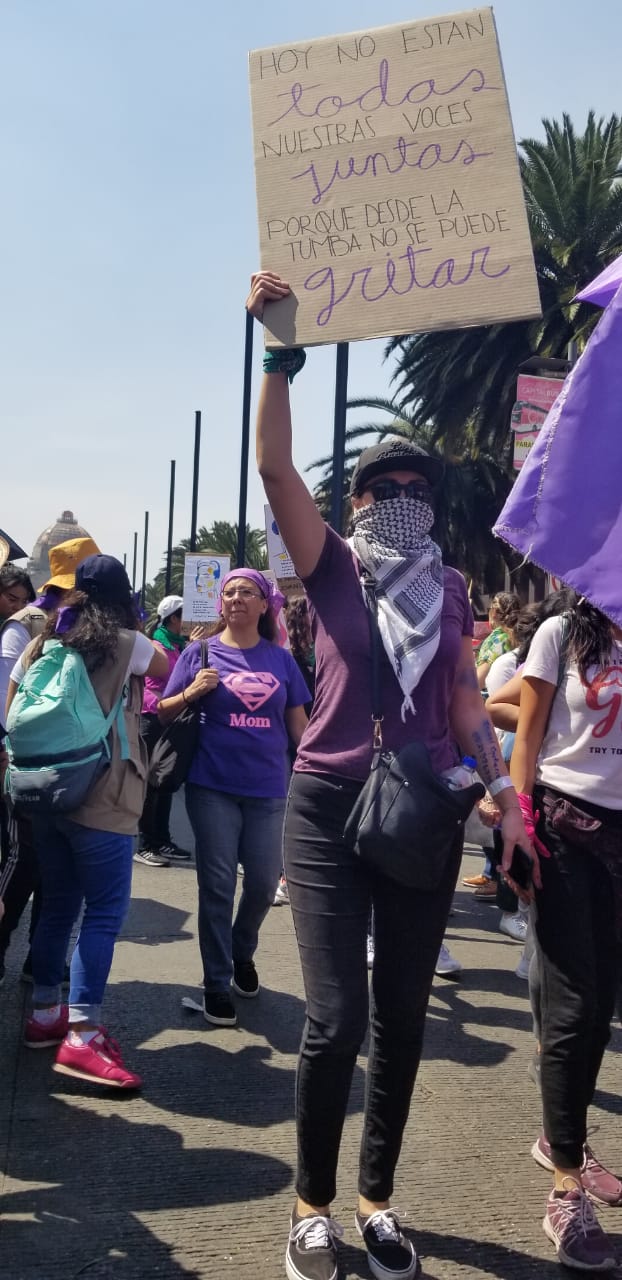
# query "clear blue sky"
(128, 237)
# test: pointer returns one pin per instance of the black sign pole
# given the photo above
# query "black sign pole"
(195, 479)
(134, 561)
(339, 436)
(146, 540)
(246, 427)
(169, 544)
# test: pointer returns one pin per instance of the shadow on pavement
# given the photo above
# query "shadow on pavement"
(105, 1170)
(151, 922)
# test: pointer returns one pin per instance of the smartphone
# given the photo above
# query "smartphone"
(520, 869)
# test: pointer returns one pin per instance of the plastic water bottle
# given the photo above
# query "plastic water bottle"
(461, 775)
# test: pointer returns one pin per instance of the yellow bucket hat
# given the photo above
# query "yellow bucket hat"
(64, 560)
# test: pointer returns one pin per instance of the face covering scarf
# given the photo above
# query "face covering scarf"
(393, 544)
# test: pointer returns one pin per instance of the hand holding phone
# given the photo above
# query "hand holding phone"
(520, 869)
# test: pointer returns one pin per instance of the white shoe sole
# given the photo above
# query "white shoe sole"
(608, 1264)
(220, 1022)
(84, 1075)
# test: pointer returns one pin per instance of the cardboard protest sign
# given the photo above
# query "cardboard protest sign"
(203, 574)
(388, 188)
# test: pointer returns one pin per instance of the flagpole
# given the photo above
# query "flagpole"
(339, 435)
(195, 479)
(246, 427)
(146, 540)
(169, 544)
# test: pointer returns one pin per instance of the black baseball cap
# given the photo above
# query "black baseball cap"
(394, 455)
(103, 578)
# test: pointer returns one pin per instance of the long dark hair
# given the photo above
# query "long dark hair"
(590, 636)
(532, 616)
(94, 628)
(299, 629)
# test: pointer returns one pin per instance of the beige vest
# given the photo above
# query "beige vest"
(116, 801)
(31, 617)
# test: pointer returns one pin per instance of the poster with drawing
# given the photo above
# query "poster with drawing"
(279, 558)
(203, 573)
(388, 188)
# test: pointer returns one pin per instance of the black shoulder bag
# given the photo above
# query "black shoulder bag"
(176, 747)
(406, 819)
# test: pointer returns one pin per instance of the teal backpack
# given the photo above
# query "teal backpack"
(58, 735)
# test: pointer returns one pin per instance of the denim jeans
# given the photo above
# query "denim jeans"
(79, 864)
(229, 829)
(331, 892)
(579, 964)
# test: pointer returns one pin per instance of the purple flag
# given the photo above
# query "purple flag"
(604, 287)
(565, 510)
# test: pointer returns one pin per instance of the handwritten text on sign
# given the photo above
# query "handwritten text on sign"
(388, 188)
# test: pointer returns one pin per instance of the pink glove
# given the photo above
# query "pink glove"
(530, 819)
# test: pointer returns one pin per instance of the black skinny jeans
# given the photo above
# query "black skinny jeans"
(578, 963)
(331, 893)
(156, 814)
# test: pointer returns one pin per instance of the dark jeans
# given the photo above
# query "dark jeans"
(578, 961)
(24, 882)
(155, 817)
(331, 893)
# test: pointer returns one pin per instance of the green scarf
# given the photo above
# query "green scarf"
(169, 639)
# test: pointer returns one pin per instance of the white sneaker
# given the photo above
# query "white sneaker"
(515, 926)
(446, 963)
(522, 968)
(370, 951)
(281, 894)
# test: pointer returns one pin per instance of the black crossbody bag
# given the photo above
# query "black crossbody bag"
(406, 819)
(176, 747)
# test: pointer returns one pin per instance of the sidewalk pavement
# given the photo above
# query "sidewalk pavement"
(193, 1179)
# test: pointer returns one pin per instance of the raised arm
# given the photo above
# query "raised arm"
(300, 523)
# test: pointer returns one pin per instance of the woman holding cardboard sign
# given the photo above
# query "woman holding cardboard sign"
(429, 694)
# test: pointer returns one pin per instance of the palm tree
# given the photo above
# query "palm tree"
(574, 206)
(472, 494)
(222, 538)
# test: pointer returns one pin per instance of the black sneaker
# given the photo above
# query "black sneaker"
(389, 1253)
(245, 980)
(217, 1008)
(312, 1248)
(172, 850)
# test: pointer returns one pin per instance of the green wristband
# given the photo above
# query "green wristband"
(289, 360)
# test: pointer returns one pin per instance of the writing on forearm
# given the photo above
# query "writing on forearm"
(486, 750)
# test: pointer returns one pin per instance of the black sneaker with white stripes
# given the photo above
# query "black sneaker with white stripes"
(312, 1248)
(390, 1255)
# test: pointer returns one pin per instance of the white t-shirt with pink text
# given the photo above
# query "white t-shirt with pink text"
(581, 752)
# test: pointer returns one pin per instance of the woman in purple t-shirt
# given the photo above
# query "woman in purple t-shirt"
(252, 703)
(429, 692)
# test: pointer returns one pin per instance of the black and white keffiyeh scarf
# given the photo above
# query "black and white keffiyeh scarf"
(392, 542)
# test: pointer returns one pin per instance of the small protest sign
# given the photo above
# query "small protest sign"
(279, 558)
(388, 189)
(203, 574)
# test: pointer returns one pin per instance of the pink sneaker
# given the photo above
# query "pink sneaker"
(98, 1060)
(599, 1183)
(571, 1224)
(42, 1035)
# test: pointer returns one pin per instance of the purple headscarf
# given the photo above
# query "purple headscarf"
(275, 598)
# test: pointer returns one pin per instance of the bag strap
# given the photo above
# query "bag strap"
(204, 654)
(371, 602)
(563, 650)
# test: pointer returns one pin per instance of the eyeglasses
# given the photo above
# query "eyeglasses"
(244, 593)
(384, 490)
